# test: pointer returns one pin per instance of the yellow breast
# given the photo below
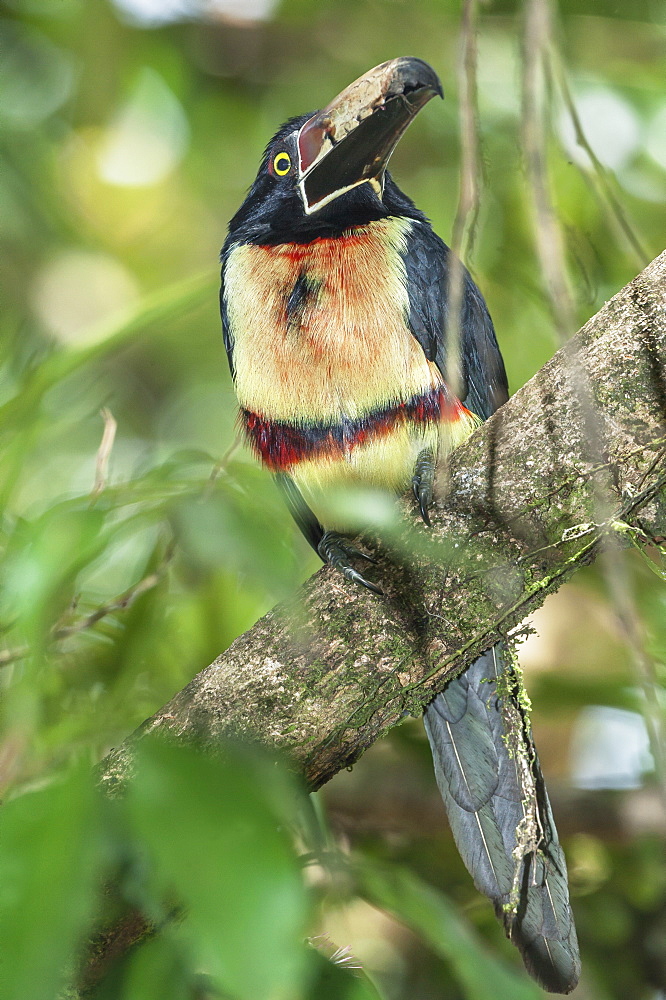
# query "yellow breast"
(348, 349)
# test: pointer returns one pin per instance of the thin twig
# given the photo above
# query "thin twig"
(618, 580)
(548, 234)
(605, 188)
(221, 465)
(9, 656)
(119, 603)
(104, 452)
(464, 225)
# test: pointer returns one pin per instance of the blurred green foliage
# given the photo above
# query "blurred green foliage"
(127, 143)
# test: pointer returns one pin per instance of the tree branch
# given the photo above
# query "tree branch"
(322, 677)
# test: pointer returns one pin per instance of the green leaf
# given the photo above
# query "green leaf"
(237, 529)
(333, 980)
(44, 560)
(436, 920)
(155, 972)
(150, 313)
(50, 850)
(213, 833)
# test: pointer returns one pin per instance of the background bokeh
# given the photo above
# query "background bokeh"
(130, 131)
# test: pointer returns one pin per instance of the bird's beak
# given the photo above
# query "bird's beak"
(349, 143)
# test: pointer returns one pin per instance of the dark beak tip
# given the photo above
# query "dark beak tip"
(416, 74)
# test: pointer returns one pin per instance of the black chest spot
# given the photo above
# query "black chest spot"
(302, 297)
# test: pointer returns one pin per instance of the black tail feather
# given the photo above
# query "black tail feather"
(490, 779)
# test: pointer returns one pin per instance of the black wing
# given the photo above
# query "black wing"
(227, 335)
(427, 265)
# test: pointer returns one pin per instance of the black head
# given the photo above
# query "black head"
(325, 173)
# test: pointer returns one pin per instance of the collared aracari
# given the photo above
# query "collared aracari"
(334, 314)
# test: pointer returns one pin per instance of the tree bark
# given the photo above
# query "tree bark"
(576, 458)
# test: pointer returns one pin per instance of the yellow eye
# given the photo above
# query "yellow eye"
(282, 164)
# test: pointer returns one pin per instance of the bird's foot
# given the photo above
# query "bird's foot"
(423, 482)
(336, 550)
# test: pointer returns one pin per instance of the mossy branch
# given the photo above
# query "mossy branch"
(532, 496)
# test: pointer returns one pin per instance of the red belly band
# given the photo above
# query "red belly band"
(281, 444)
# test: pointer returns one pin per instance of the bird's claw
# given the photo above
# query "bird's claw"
(355, 553)
(337, 551)
(423, 482)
